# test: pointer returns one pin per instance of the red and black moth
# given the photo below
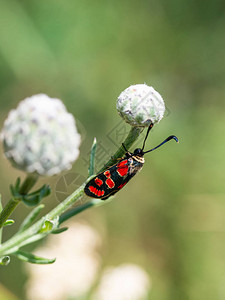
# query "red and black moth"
(113, 179)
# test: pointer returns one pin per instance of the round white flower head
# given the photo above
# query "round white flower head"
(140, 105)
(41, 136)
(128, 281)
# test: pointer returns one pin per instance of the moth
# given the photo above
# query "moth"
(115, 177)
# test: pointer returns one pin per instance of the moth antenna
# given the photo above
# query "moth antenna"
(171, 137)
(149, 128)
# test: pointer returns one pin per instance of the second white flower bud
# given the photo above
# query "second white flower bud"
(140, 105)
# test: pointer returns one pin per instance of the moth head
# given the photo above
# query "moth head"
(138, 152)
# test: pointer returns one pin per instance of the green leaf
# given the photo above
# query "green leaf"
(35, 198)
(32, 239)
(31, 258)
(17, 184)
(8, 222)
(49, 225)
(15, 190)
(74, 211)
(31, 217)
(59, 230)
(15, 193)
(78, 209)
(91, 169)
(30, 199)
(5, 260)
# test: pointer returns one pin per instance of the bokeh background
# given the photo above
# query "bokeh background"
(169, 219)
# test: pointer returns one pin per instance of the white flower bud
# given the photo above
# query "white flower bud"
(140, 105)
(41, 136)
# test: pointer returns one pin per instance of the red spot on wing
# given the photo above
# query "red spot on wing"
(122, 168)
(93, 190)
(110, 183)
(96, 192)
(107, 173)
(98, 181)
(122, 185)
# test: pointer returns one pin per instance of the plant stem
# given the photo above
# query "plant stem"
(28, 183)
(7, 210)
(78, 209)
(68, 202)
(15, 242)
(25, 237)
(130, 139)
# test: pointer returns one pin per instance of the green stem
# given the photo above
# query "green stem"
(23, 238)
(68, 202)
(28, 183)
(130, 139)
(7, 210)
(19, 239)
(76, 210)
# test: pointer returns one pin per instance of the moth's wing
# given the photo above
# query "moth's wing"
(110, 181)
(95, 187)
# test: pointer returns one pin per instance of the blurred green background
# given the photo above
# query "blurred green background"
(171, 216)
